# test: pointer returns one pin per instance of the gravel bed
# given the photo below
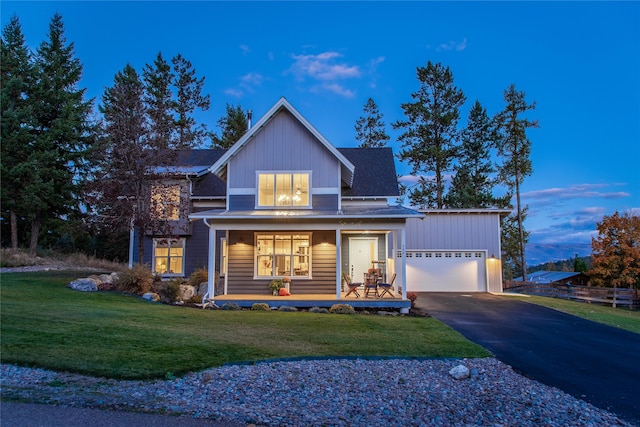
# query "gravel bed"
(337, 392)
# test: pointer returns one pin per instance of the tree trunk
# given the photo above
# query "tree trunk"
(35, 233)
(523, 262)
(14, 231)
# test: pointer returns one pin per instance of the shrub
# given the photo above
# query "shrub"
(169, 291)
(412, 296)
(287, 308)
(198, 276)
(260, 306)
(318, 310)
(342, 309)
(230, 306)
(136, 280)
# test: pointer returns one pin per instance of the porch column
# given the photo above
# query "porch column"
(403, 266)
(211, 261)
(338, 263)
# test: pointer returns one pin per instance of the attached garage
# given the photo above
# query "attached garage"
(453, 250)
(446, 271)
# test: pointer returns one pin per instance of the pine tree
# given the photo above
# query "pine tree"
(159, 103)
(430, 131)
(63, 134)
(510, 238)
(514, 149)
(119, 190)
(189, 98)
(370, 129)
(233, 126)
(473, 183)
(17, 123)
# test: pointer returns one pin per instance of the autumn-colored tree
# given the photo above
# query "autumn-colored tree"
(616, 252)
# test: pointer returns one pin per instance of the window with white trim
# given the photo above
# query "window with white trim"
(278, 190)
(280, 255)
(168, 256)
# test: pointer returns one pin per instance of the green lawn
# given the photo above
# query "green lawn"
(618, 317)
(46, 324)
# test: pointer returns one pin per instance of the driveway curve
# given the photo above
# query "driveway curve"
(591, 361)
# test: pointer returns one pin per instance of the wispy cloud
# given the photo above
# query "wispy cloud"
(452, 45)
(248, 83)
(579, 191)
(328, 72)
(245, 49)
(323, 66)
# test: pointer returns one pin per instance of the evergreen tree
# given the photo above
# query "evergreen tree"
(370, 129)
(159, 103)
(473, 183)
(189, 98)
(233, 126)
(17, 123)
(119, 190)
(63, 134)
(430, 131)
(514, 149)
(512, 263)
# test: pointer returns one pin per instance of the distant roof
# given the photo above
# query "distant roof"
(375, 172)
(543, 276)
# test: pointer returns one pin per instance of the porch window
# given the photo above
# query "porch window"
(279, 255)
(168, 256)
(283, 190)
(165, 202)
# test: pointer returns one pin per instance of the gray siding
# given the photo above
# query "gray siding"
(455, 231)
(241, 266)
(284, 144)
(325, 202)
(242, 202)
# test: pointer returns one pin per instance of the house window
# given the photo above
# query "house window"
(165, 202)
(279, 255)
(168, 256)
(283, 190)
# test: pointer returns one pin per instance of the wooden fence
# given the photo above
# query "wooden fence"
(610, 296)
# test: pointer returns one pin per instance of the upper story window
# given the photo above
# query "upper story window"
(283, 190)
(165, 202)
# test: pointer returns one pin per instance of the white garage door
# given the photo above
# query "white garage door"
(446, 271)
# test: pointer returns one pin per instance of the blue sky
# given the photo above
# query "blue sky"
(579, 61)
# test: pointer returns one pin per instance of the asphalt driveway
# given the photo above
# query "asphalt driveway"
(593, 362)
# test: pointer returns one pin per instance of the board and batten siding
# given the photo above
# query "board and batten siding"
(284, 144)
(455, 232)
(240, 266)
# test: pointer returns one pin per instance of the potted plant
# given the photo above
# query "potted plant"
(275, 285)
(286, 281)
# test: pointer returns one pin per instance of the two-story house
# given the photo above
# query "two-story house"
(284, 202)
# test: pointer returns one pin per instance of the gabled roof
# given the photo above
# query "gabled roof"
(375, 172)
(220, 165)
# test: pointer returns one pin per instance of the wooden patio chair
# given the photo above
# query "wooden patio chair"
(371, 285)
(386, 287)
(353, 287)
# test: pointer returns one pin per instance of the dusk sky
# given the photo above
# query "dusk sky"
(580, 63)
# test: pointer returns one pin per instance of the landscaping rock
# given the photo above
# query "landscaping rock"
(186, 292)
(84, 285)
(151, 296)
(459, 372)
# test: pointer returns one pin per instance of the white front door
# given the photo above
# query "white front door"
(362, 250)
